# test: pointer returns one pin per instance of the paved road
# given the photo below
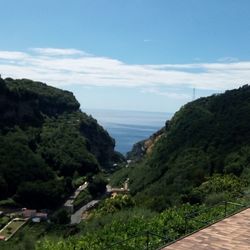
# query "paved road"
(79, 190)
(77, 216)
(69, 203)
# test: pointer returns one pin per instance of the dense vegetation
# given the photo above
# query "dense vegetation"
(119, 225)
(207, 137)
(46, 143)
(178, 179)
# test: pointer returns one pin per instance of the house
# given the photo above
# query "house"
(113, 191)
(28, 213)
(36, 220)
(34, 215)
(2, 237)
(41, 216)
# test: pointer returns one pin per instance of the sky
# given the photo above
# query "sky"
(144, 55)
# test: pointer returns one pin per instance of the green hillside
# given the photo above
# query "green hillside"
(180, 179)
(205, 138)
(46, 142)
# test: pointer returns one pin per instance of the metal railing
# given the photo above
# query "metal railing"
(146, 235)
(224, 213)
(145, 238)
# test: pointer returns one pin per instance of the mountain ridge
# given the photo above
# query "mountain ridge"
(46, 142)
(205, 137)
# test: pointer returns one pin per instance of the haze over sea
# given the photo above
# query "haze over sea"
(129, 127)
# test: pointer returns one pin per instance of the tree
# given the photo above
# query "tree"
(61, 217)
(97, 186)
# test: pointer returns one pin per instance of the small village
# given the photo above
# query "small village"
(15, 220)
(12, 221)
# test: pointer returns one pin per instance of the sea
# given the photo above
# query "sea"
(129, 127)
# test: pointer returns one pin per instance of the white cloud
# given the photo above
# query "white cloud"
(168, 94)
(58, 52)
(12, 55)
(60, 67)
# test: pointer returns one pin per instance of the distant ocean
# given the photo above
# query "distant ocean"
(129, 127)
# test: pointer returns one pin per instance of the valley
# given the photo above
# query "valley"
(57, 159)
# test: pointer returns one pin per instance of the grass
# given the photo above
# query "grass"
(11, 228)
(3, 221)
(34, 232)
(83, 198)
(55, 233)
(7, 203)
(39, 231)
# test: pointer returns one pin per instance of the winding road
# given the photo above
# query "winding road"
(77, 216)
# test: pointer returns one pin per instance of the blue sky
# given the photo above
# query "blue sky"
(128, 54)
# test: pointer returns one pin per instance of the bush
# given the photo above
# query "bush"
(61, 217)
(97, 186)
(215, 198)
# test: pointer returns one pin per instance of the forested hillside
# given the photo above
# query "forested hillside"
(206, 142)
(46, 142)
(179, 179)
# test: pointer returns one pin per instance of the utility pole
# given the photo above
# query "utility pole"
(194, 94)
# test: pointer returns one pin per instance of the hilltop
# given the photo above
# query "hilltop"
(206, 138)
(46, 144)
